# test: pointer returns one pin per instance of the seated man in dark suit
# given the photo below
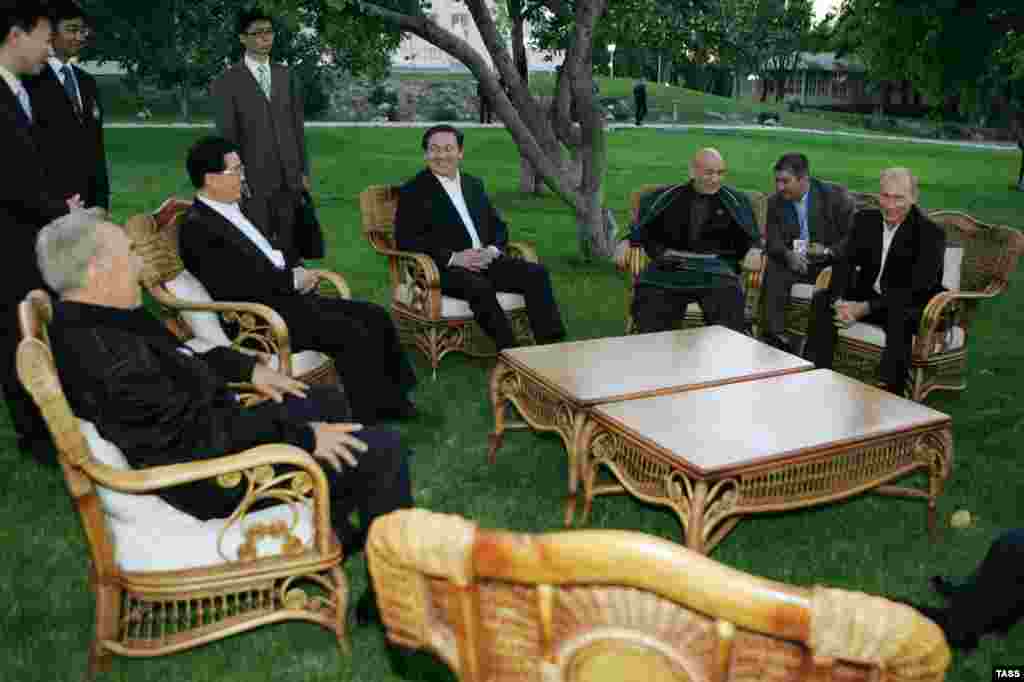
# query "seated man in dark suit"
(160, 403)
(235, 262)
(889, 268)
(990, 599)
(696, 236)
(807, 220)
(447, 215)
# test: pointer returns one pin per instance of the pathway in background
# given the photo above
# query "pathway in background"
(994, 146)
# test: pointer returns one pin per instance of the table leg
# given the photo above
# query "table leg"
(695, 517)
(498, 402)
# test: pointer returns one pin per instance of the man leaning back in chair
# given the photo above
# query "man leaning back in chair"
(161, 403)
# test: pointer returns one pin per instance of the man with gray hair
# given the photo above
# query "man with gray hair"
(162, 403)
(887, 271)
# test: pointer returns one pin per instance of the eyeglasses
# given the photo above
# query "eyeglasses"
(265, 33)
(80, 31)
(438, 149)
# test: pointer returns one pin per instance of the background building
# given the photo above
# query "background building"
(452, 15)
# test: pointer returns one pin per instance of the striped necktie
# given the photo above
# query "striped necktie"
(264, 78)
(71, 88)
(22, 96)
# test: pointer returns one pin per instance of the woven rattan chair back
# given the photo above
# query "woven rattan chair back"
(153, 613)
(598, 606)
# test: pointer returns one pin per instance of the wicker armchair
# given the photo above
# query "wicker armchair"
(632, 260)
(588, 606)
(165, 581)
(195, 317)
(436, 324)
(979, 260)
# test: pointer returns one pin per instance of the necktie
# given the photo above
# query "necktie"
(71, 88)
(26, 106)
(264, 77)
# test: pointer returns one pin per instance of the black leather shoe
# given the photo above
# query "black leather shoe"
(942, 585)
(778, 341)
(967, 641)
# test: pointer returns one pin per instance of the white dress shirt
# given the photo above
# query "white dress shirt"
(888, 232)
(14, 83)
(57, 65)
(234, 215)
(453, 186)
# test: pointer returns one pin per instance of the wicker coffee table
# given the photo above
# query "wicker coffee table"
(554, 386)
(791, 441)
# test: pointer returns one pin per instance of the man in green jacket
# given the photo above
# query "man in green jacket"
(696, 236)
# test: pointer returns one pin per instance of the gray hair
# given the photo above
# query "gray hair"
(66, 246)
(901, 172)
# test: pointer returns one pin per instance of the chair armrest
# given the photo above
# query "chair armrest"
(824, 279)
(523, 250)
(258, 323)
(254, 464)
(948, 307)
(419, 271)
(331, 283)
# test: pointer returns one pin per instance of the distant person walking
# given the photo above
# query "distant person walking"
(640, 101)
(486, 113)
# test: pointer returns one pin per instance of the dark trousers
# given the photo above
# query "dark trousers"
(900, 321)
(380, 484)
(362, 339)
(993, 596)
(641, 113)
(657, 309)
(775, 287)
(480, 290)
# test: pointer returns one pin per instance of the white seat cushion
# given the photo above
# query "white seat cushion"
(151, 535)
(802, 291)
(952, 340)
(210, 334)
(458, 308)
(952, 263)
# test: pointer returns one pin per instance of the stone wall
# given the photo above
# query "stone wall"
(403, 100)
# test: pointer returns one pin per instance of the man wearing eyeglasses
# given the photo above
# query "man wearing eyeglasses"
(259, 107)
(447, 215)
(67, 115)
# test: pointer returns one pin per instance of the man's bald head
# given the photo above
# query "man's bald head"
(707, 170)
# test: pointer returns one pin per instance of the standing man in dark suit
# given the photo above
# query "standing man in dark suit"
(447, 215)
(259, 108)
(807, 220)
(67, 114)
(27, 201)
(640, 101)
(235, 262)
(889, 268)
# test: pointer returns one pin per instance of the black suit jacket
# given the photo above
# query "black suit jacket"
(829, 213)
(427, 221)
(913, 268)
(27, 201)
(232, 268)
(123, 371)
(71, 146)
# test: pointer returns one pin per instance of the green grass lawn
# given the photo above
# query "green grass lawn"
(870, 543)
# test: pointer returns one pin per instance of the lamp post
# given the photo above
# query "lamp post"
(611, 59)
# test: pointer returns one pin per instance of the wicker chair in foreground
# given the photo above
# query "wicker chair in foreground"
(195, 317)
(978, 263)
(632, 260)
(165, 581)
(589, 606)
(436, 324)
